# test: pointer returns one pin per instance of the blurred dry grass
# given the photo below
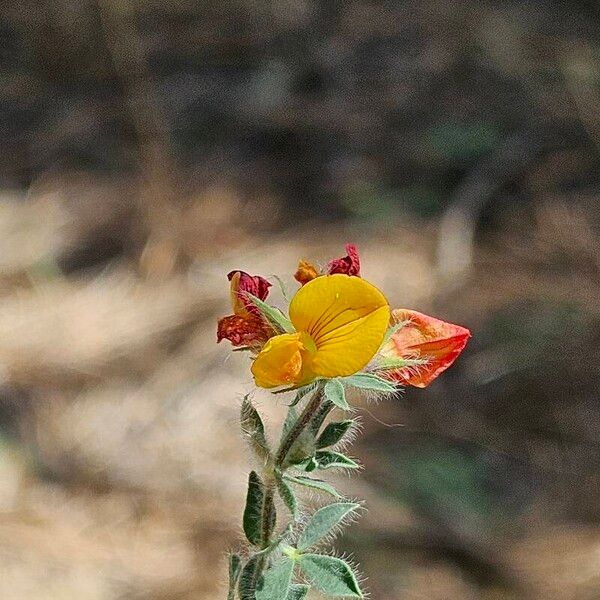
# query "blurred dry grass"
(128, 463)
(149, 148)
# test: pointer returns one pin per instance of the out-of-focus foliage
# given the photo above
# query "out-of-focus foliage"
(149, 147)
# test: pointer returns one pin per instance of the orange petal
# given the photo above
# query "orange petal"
(424, 337)
(306, 272)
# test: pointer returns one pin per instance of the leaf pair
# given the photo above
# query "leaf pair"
(330, 575)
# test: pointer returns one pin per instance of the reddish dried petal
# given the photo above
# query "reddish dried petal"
(243, 330)
(306, 272)
(242, 283)
(424, 337)
(348, 265)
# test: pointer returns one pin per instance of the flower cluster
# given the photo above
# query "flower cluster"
(339, 325)
(338, 333)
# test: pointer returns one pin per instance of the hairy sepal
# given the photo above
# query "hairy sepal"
(334, 392)
(369, 381)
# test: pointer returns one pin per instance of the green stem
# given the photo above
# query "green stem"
(268, 506)
(268, 511)
(303, 421)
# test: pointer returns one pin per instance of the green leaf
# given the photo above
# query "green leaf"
(309, 465)
(392, 330)
(276, 581)
(320, 416)
(273, 316)
(287, 495)
(334, 392)
(315, 484)
(303, 448)
(248, 577)
(369, 381)
(330, 575)
(253, 510)
(333, 433)
(254, 430)
(385, 363)
(235, 567)
(327, 459)
(323, 522)
(298, 591)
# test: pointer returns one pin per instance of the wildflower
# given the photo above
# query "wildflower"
(340, 323)
(245, 327)
(424, 337)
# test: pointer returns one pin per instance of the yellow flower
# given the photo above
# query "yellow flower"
(340, 323)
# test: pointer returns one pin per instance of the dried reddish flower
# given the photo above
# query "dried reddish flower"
(245, 327)
(347, 265)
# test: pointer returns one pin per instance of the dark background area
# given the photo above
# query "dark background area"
(150, 147)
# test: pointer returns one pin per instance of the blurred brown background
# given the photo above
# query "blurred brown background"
(149, 147)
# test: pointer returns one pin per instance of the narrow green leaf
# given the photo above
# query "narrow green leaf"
(330, 575)
(309, 465)
(302, 449)
(334, 391)
(276, 581)
(287, 495)
(273, 315)
(315, 484)
(248, 577)
(253, 429)
(235, 567)
(333, 433)
(323, 522)
(392, 330)
(320, 416)
(298, 591)
(369, 381)
(253, 510)
(327, 459)
(385, 364)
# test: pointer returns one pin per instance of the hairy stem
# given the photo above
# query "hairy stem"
(268, 507)
(268, 512)
(303, 420)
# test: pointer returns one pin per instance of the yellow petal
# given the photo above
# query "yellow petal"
(346, 317)
(279, 362)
